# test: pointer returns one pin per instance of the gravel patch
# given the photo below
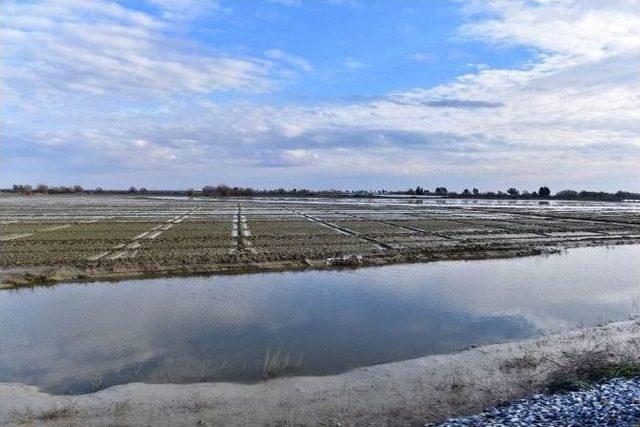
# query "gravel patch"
(612, 403)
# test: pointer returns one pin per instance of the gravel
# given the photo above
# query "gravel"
(612, 403)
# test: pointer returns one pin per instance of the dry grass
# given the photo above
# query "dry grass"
(54, 414)
(280, 362)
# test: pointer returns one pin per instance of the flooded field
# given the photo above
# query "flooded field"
(76, 338)
(46, 239)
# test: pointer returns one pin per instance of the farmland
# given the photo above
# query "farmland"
(46, 239)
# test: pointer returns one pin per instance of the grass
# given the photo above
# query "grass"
(584, 377)
(279, 363)
(53, 414)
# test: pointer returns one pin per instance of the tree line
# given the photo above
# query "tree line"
(223, 190)
(543, 192)
(73, 189)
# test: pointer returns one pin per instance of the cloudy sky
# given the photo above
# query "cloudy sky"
(321, 93)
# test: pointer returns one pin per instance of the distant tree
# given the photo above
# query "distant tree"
(466, 192)
(512, 192)
(190, 192)
(441, 191)
(132, 189)
(219, 190)
(77, 189)
(475, 192)
(42, 188)
(419, 190)
(98, 190)
(24, 189)
(567, 194)
(544, 192)
(143, 190)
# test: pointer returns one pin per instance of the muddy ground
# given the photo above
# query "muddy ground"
(47, 239)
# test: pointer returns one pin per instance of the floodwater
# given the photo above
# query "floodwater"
(77, 338)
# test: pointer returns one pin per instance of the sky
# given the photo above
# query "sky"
(346, 94)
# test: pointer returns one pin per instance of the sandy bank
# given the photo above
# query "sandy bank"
(410, 392)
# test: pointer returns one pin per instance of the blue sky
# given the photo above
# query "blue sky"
(322, 93)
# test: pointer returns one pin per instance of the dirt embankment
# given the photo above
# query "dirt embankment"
(43, 275)
(410, 392)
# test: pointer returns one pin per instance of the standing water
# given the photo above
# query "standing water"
(78, 338)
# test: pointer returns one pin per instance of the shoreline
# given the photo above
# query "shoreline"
(47, 276)
(427, 389)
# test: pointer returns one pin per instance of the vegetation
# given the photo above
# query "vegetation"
(279, 363)
(223, 190)
(585, 375)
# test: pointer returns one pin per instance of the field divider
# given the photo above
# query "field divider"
(565, 217)
(406, 227)
(14, 237)
(93, 221)
(469, 222)
(516, 222)
(596, 235)
(55, 228)
(344, 230)
(97, 257)
(240, 234)
(133, 245)
(118, 255)
(582, 221)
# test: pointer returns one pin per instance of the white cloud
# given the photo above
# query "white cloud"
(299, 156)
(424, 57)
(589, 29)
(186, 10)
(98, 47)
(353, 64)
(295, 61)
(572, 114)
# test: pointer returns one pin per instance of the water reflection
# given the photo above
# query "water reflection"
(79, 338)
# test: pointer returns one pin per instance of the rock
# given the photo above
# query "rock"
(613, 403)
